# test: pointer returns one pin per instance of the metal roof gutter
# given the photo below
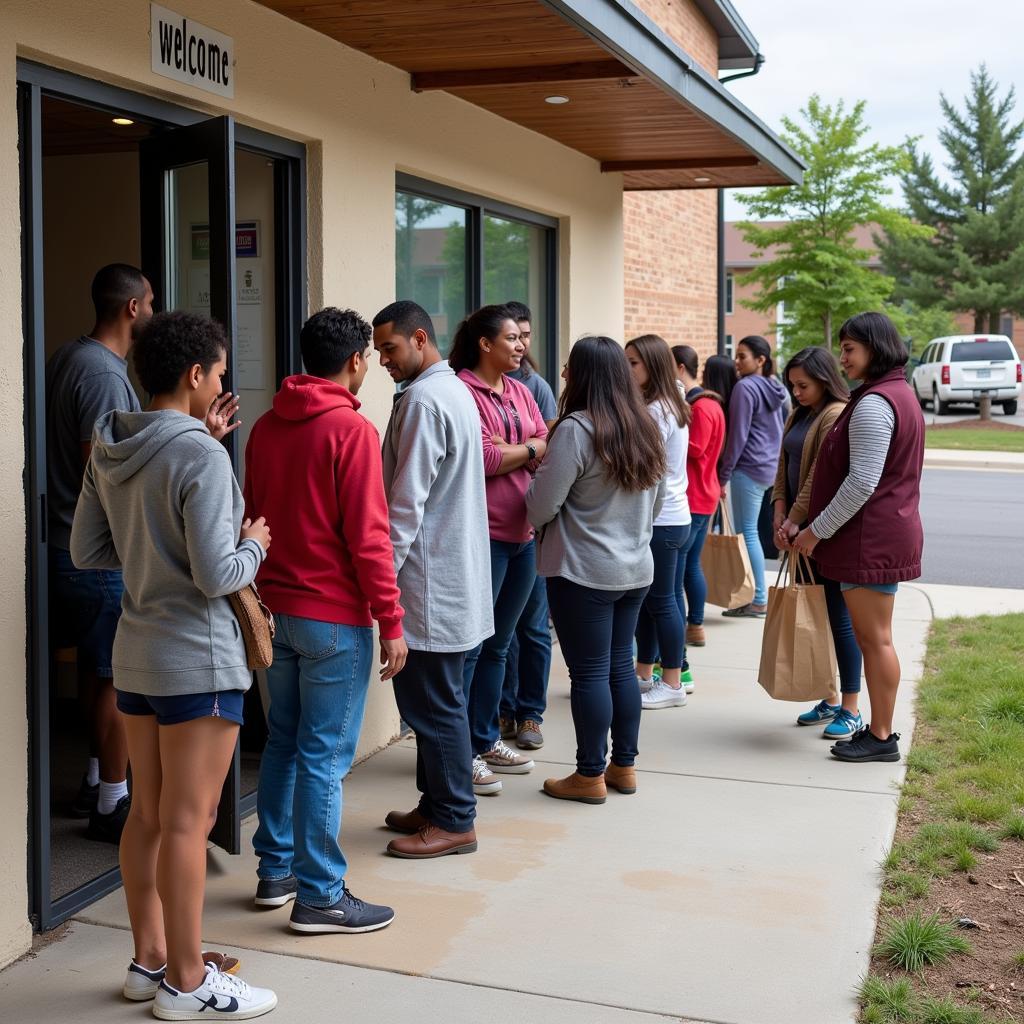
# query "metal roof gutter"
(737, 47)
(624, 30)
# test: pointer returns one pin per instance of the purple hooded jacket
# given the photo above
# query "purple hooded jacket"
(755, 424)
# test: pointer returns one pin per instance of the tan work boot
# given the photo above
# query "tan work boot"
(507, 728)
(583, 788)
(620, 777)
(695, 636)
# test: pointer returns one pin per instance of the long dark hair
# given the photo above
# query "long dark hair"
(626, 438)
(486, 322)
(820, 365)
(687, 358)
(719, 378)
(760, 347)
(662, 384)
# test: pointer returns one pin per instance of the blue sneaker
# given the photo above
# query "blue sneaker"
(843, 726)
(821, 712)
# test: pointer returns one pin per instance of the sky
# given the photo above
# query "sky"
(898, 55)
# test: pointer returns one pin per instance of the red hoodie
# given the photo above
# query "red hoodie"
(313, 468)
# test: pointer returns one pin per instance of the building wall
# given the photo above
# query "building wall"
(670, 273)
(361, 123)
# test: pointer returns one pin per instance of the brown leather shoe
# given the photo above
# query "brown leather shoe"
(507, 728)
(621, 778)
(583, 788)
(224, 963)
(407, 822)
(431, 841)
(695, 636)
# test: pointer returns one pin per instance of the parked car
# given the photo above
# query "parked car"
(966, 368)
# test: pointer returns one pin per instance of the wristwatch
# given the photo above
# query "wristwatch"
(531, 451)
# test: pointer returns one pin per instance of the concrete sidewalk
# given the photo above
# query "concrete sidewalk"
(955, 458)
(739, 885)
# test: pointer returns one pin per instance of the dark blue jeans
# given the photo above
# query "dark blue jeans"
(847, 652)
(528, 663)
(660, 625)
(513, 572)
(595, 630)
(693, 594)
(431, 701)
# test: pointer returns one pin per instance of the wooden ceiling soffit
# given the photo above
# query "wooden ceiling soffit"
(582, 71)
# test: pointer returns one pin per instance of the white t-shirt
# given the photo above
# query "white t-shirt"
(676, 510)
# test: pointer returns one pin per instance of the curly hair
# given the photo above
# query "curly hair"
(172, 343)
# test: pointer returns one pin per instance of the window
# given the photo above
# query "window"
(729, 346)
(728, 293)
(455, 251)
(980, 351)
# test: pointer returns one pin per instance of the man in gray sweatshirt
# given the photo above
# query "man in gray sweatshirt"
(434, 479)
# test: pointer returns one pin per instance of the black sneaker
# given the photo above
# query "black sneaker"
(347, 915)
(747, 611)
(85, 803)
(107, 828)
(865, 746)
(276, 892)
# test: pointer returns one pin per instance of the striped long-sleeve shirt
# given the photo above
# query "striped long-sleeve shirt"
(871, 427)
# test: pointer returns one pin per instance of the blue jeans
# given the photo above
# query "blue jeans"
(595, 630)
(693, 594)
(318, 685)
(528, 663)
(747, 495)
(85, 606)
(847, 652)
(430, 699)
(660, 626)
(513, 572)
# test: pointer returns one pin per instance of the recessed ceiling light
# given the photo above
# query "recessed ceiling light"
(123, 121)
(702, 181)
(556, 100)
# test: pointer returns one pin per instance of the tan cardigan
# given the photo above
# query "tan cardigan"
(812, 443)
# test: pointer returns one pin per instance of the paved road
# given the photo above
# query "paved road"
(974, 530)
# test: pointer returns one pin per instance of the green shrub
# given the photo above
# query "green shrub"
(913, 942)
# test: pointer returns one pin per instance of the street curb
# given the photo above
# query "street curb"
(953, 458)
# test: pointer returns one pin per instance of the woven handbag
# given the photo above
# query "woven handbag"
(257, 624)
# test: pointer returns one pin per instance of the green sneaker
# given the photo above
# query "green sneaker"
(687, 680)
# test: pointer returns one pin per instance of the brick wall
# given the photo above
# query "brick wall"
(671, 237)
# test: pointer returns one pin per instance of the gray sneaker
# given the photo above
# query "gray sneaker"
(529, 736)
(502, 758)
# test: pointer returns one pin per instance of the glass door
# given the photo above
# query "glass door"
(187, 192)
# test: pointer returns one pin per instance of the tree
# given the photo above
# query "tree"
(815, 266)
(974, 262)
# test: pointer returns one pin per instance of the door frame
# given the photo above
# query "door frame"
(33, 82)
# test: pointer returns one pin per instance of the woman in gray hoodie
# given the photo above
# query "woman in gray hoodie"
(159, 501)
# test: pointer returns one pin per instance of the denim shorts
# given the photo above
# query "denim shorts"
(85, 605)
(185, 707)
(879, 588)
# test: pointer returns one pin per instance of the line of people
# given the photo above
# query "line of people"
(484, 506)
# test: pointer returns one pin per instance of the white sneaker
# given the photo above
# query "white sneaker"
(485, 782)
(662, 696)
(140, 983)
(645, 684)
(229, 997)
(502, 758)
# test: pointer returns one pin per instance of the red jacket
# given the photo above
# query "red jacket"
(313, 468)
(884, 541)
(707, 436)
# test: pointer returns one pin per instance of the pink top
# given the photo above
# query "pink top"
(515, 417)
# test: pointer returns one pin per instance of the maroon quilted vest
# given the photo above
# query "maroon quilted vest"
(882, 543)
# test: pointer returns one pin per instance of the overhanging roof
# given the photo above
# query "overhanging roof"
(737, 47)
(638, 103)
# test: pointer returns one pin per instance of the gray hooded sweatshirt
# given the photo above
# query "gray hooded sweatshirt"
(160, 502)
(434, 479)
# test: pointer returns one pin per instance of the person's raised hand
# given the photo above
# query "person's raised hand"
(219, 415)
(258, 531)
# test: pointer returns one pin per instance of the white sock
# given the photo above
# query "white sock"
(110, 793)
(92, 773)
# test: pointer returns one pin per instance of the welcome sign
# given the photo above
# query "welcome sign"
(191, 53)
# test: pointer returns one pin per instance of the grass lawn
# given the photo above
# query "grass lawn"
(959, 848)
(971, 435)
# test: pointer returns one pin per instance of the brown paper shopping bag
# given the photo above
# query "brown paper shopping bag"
(726, 566)
(798, 660)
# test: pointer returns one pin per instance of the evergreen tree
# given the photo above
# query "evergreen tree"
(974, 262)
(816, 267)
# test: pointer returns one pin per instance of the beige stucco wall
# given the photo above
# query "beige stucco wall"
(361, 123)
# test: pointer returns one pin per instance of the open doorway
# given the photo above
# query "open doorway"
(86, 204)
